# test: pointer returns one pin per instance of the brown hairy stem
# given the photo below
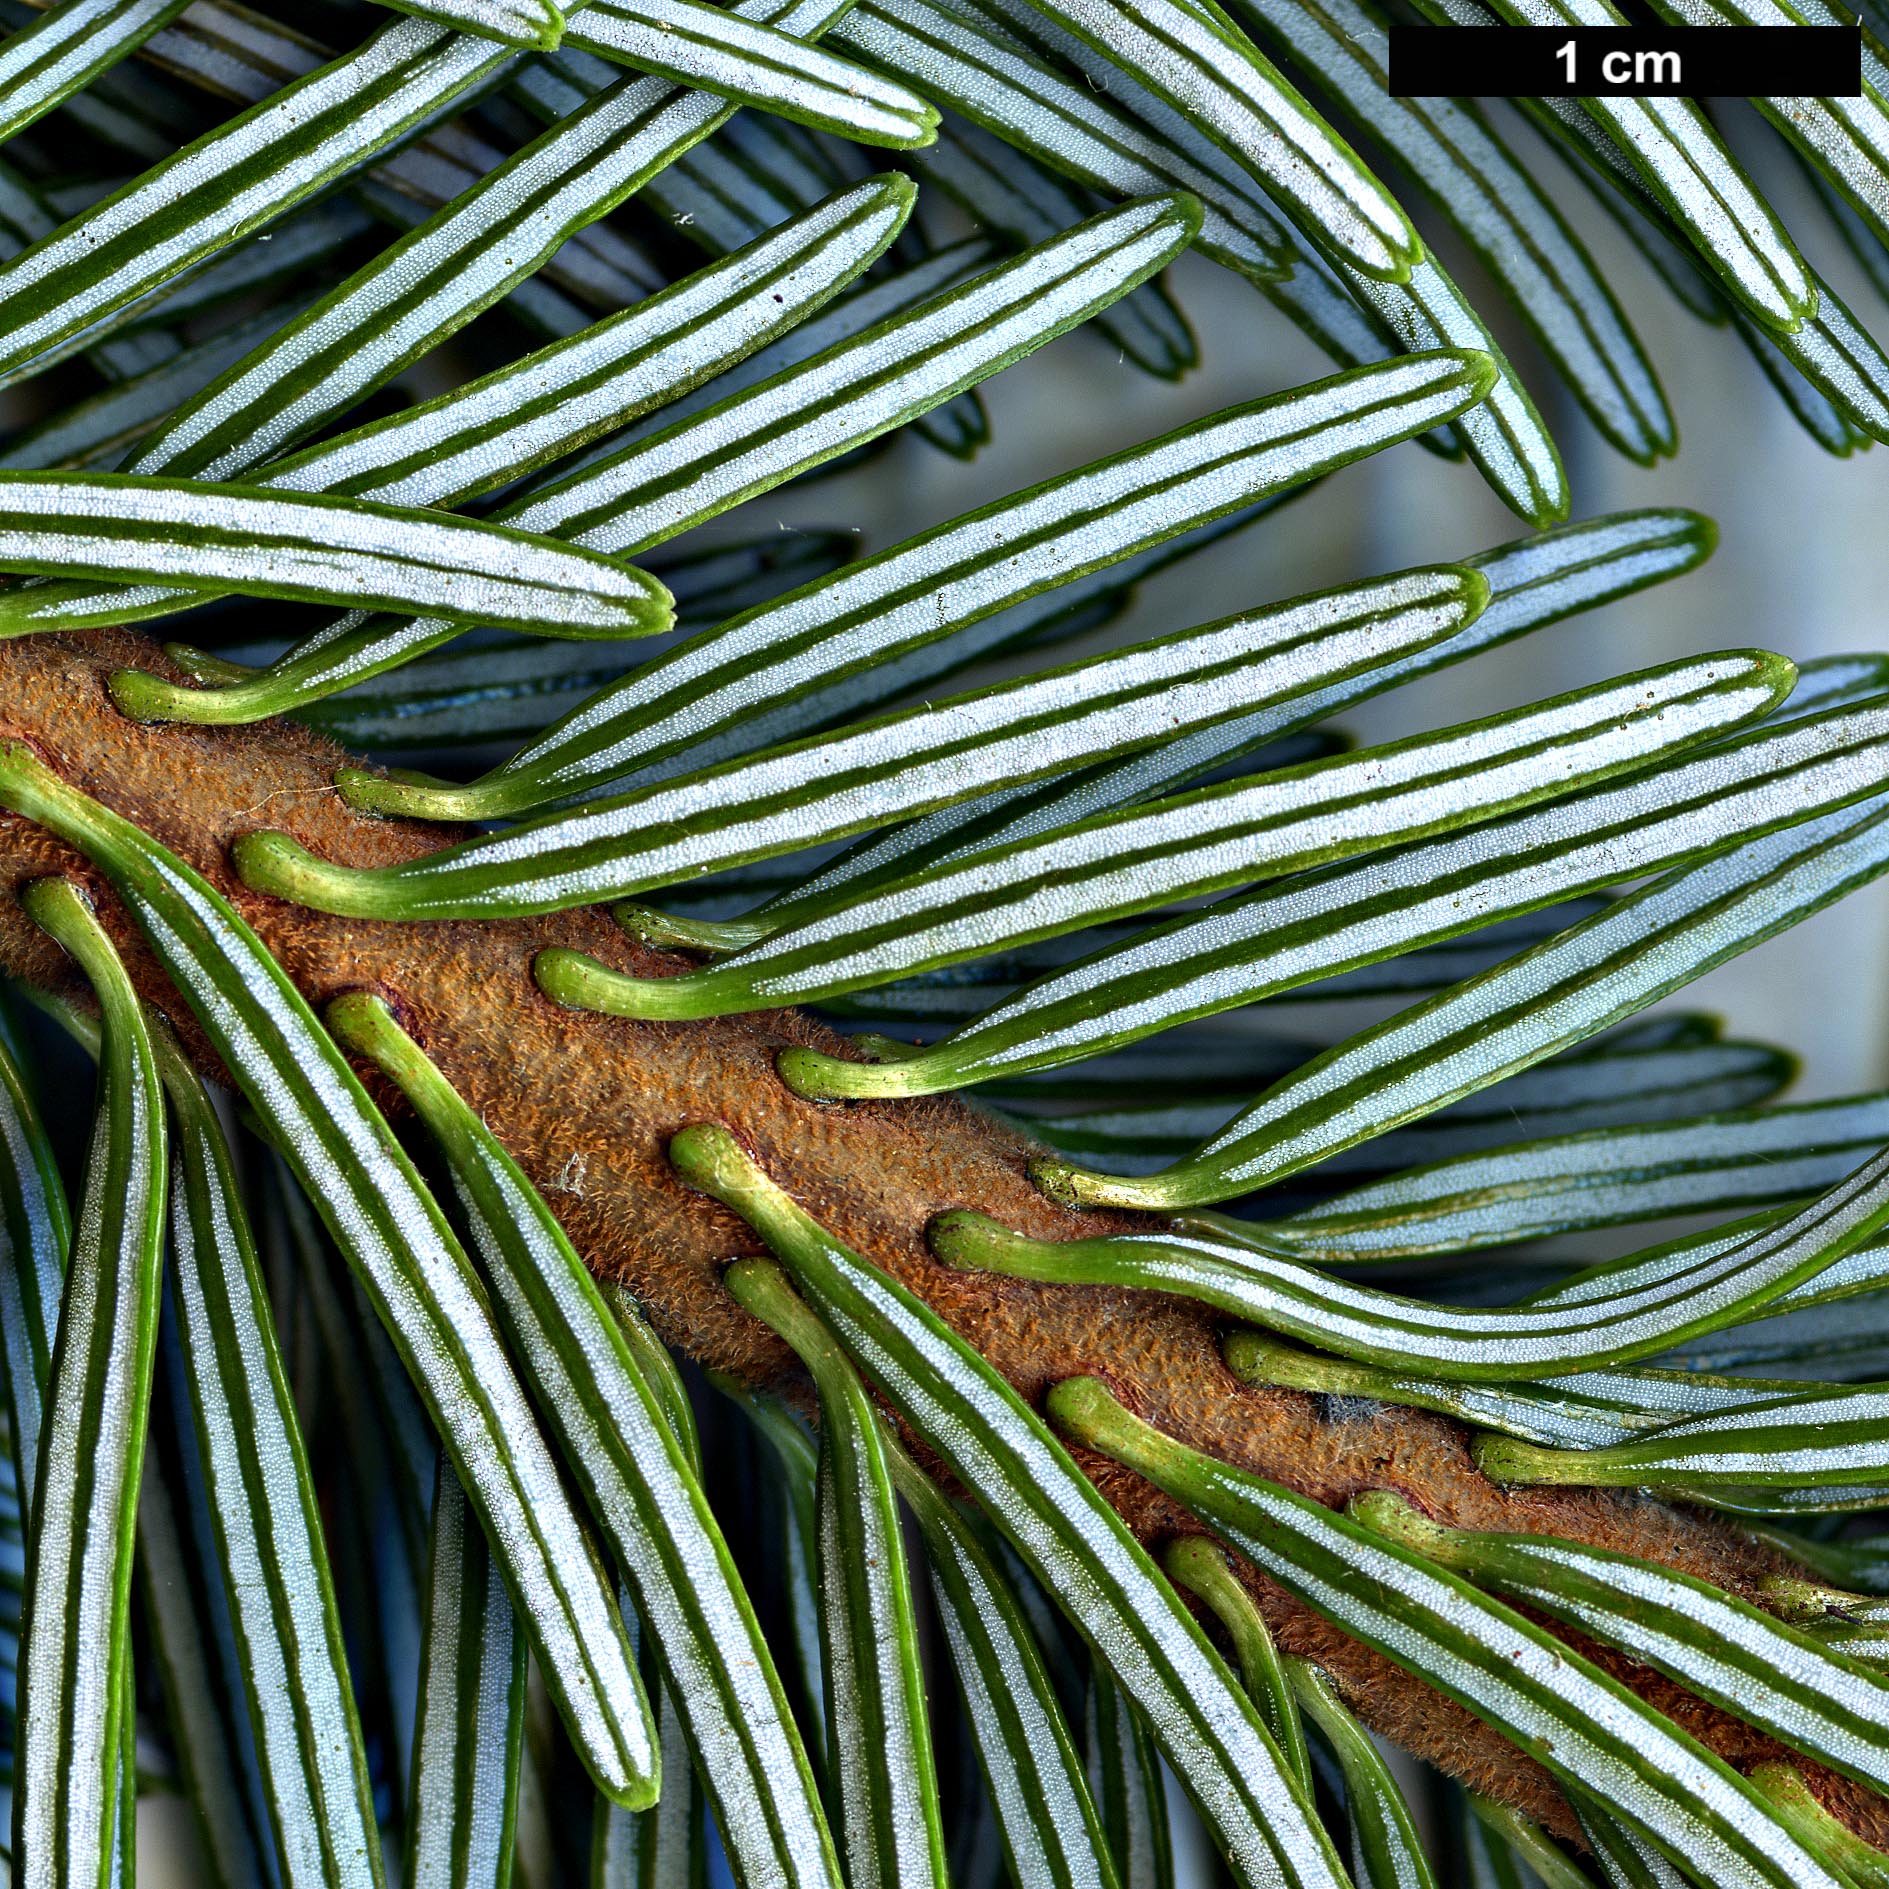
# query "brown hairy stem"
(587, 1104)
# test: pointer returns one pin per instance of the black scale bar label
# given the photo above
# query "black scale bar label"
(1626, 62)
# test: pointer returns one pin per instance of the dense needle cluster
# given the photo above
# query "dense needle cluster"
(653, 1225)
